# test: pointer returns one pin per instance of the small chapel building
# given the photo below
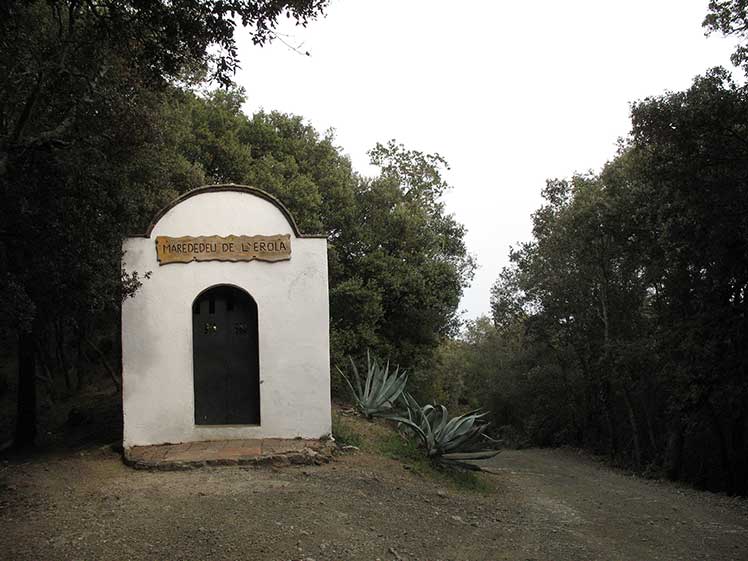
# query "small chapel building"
(228, 336)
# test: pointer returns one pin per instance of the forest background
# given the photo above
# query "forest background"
(620, 327)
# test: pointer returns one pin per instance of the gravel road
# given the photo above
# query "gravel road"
(545, 505)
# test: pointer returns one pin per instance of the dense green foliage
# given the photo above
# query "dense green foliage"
(85, 150)
(397, 262)
(622, 325)
(100, 126)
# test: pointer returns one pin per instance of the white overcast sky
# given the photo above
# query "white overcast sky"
(510, 93)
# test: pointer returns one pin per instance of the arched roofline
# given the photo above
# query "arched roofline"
(228, 187)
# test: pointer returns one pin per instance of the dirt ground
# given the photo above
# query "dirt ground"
(545, 505)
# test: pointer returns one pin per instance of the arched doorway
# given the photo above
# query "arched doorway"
(225, 357)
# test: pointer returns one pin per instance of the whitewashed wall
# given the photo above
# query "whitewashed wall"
(293, 317)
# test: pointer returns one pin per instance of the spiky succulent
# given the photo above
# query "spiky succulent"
(449, 440)
(379, 391)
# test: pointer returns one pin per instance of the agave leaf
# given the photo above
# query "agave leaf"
(491, 440)
(443, 421)
(383, 379)
(380, 390)
(386, 372)
(394, 388)
(390, 388)
(474, 426)
(399, 375)
(408, 423)
(427, 411)
(378, 384)
(459, 425)
(383, 389)
(409, 410)
(477, 440)
(480, 455)
(347, 381)
(405, 398)
(412, 405)
(464, 441)
(370, 369)
(456, 428)
(448, 440)
(357, 378)
(459, 464)
(429, 435)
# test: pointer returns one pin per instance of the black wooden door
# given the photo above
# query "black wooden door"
(226, 359)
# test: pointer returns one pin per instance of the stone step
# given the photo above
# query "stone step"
(257, 452)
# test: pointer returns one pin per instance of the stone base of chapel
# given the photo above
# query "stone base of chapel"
(251, 452)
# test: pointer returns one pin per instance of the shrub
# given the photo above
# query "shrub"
(452, 441)
(381, 389)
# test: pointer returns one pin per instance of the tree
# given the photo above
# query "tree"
(406, 254)
(397, 261)
(730, 17)
(630, 301)
(578, 293)
(82, 152)
(690, 151)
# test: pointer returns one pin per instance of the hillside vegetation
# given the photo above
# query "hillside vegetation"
(619, 327)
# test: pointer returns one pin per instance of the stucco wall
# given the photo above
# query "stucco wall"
(293, 319)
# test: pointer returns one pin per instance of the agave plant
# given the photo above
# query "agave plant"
(381, 389)
(448, 440)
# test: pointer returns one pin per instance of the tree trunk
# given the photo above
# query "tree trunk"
(674, 450)
(656, 454)
(116, 379)
(81, 355)
(724, 452)
(48, 376)
(26, 418)
(634, 426)
(740, 456)
(608, 414)
(61, 358)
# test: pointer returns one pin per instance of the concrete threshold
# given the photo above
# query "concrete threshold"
(258, 452)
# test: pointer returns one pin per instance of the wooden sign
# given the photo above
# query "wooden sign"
(218, 248)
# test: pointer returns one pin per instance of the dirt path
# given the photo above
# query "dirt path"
(588, 511)
(546, 505)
